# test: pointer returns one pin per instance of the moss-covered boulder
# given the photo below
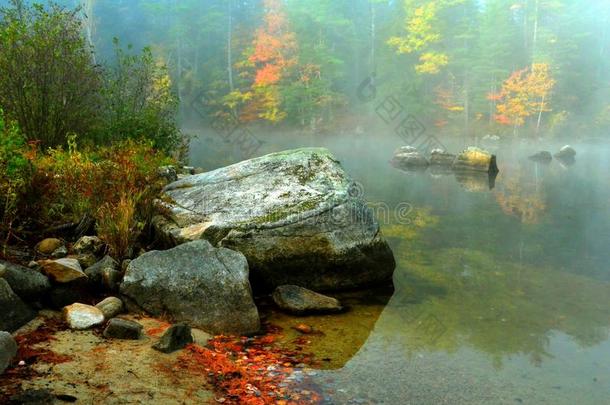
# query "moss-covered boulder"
(475, 159)
(296, 216)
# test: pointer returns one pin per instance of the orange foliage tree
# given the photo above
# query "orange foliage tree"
(525, 93)
(273, 54)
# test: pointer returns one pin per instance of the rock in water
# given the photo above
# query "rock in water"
(476, 159)
(63, 270)
(439, 157)
(110, 307)
(8, 350)
(49, 245)
(408, 156)
(542, 156)
(195, 283)
(14, 313)
(28, 284)
(174, 338)
(81, 316)
(567, 152)
(123, 329)
(296, 216)
(301, 301)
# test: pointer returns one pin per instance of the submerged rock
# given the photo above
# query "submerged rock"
(542, 156)
(409, 157)
(63, 270)
(110, 307)
(301, 301)
(196, 283)
(566, 153)
(49, 245)
(123, 329)
(176, 337)
(8, 350)
(14, 313)
(28, 284)
(80, 316)
(475, 159)
(295, 215)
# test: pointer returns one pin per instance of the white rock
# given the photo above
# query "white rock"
(81, 316)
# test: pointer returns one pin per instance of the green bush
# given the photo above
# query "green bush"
(138, 101)
(49, 83)
(15, 175)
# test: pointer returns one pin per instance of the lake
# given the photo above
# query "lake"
(500, 296)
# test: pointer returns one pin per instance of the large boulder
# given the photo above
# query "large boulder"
(475, 159)
(14, 313)
(196, 283)
(8, 350)
(296, 216)
(439, 157)
(28, 284)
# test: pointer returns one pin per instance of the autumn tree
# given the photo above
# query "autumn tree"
(525, 93)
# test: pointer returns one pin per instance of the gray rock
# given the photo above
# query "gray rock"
(14, 312)
(118, 328)
(88, 244)
(62, 270)
(475, 159)
(80, 316)
(86, 260)
(195, 283)
(542, 156)
(289, 213)
(8, 350)
(110, 307)
(567, 152)
(439, 157)
(60, 252)
(408, 156)
(301, 301)
(104, 273)
(28, 284)
(174, 338)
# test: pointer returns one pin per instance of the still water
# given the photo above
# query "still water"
(501, 296)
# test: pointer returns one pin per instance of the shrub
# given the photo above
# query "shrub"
(139, 102)
(50, 84)
(15, 174)
(117, 185)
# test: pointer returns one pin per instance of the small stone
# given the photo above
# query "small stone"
(168, 173)
(123, 329)
(88, 244)
(301, 301)
(63, 270)
(48, 246)
(81, 316)
(34, 265)
(102, 272)
(8, 350)
(60, 252)
(86, 260)
(567, 152)
(303, 328)
(110, 307)
(174, 338)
